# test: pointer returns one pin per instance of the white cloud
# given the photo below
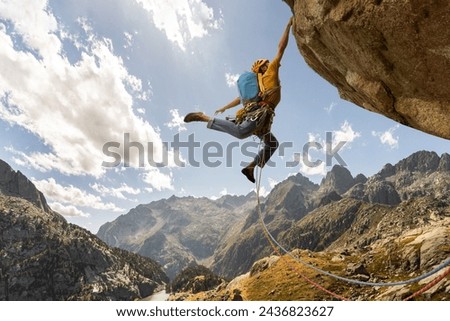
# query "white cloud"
(72, 108)
(158, 180)
(36, 26)
(177, 121)
(346, 133)
(181, 20)
(312, 163)
(135, 85)
(319, 169)
(387, 137)
(71, 195)
(263, 192)
(140, 111)
(118, 192)
(315, 138)
(330, 108)
(67, 211)
(128, 40)
(231, 79)
(222, 193)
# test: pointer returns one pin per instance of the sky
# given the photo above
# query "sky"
(93, 95)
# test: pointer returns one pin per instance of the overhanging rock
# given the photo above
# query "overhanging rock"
(387, 56)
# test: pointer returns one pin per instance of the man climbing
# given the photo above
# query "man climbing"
(256, 116)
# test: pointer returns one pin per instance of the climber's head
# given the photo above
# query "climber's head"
(260, 65)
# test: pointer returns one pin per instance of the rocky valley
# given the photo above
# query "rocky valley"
(394, 224)
(42, 257)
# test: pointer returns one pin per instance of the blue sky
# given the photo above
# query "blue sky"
(76, 75)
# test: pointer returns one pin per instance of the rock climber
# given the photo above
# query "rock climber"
(256, 117)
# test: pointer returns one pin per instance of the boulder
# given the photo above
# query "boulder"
(382, 193)
(388, 56)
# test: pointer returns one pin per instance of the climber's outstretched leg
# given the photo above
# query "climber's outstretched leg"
(270, 146)
(241, 131)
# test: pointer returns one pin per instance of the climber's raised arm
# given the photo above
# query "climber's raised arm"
(284, 40)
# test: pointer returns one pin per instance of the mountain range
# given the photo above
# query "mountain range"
(390, 226)
(178, 232)
(342, 211)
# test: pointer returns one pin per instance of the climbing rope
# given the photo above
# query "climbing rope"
(274, 243)
(429, 285)
(272, 240)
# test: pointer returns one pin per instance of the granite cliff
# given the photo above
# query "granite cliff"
(14, 183)
(388, 56)
(43, 257)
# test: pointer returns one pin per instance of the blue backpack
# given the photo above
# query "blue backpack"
(248, 87)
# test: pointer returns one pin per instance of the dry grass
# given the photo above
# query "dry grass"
(283, 281)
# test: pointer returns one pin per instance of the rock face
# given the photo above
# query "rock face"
(42, 257)
(382, 193)
(339, 179)
(387, 56)
(14, 183)
(288, 202)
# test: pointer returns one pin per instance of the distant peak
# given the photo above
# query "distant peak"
(339, 179)
(421, 161)
(14, 183)
(444, 164)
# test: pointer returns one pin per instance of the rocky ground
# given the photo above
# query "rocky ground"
(391, 260)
